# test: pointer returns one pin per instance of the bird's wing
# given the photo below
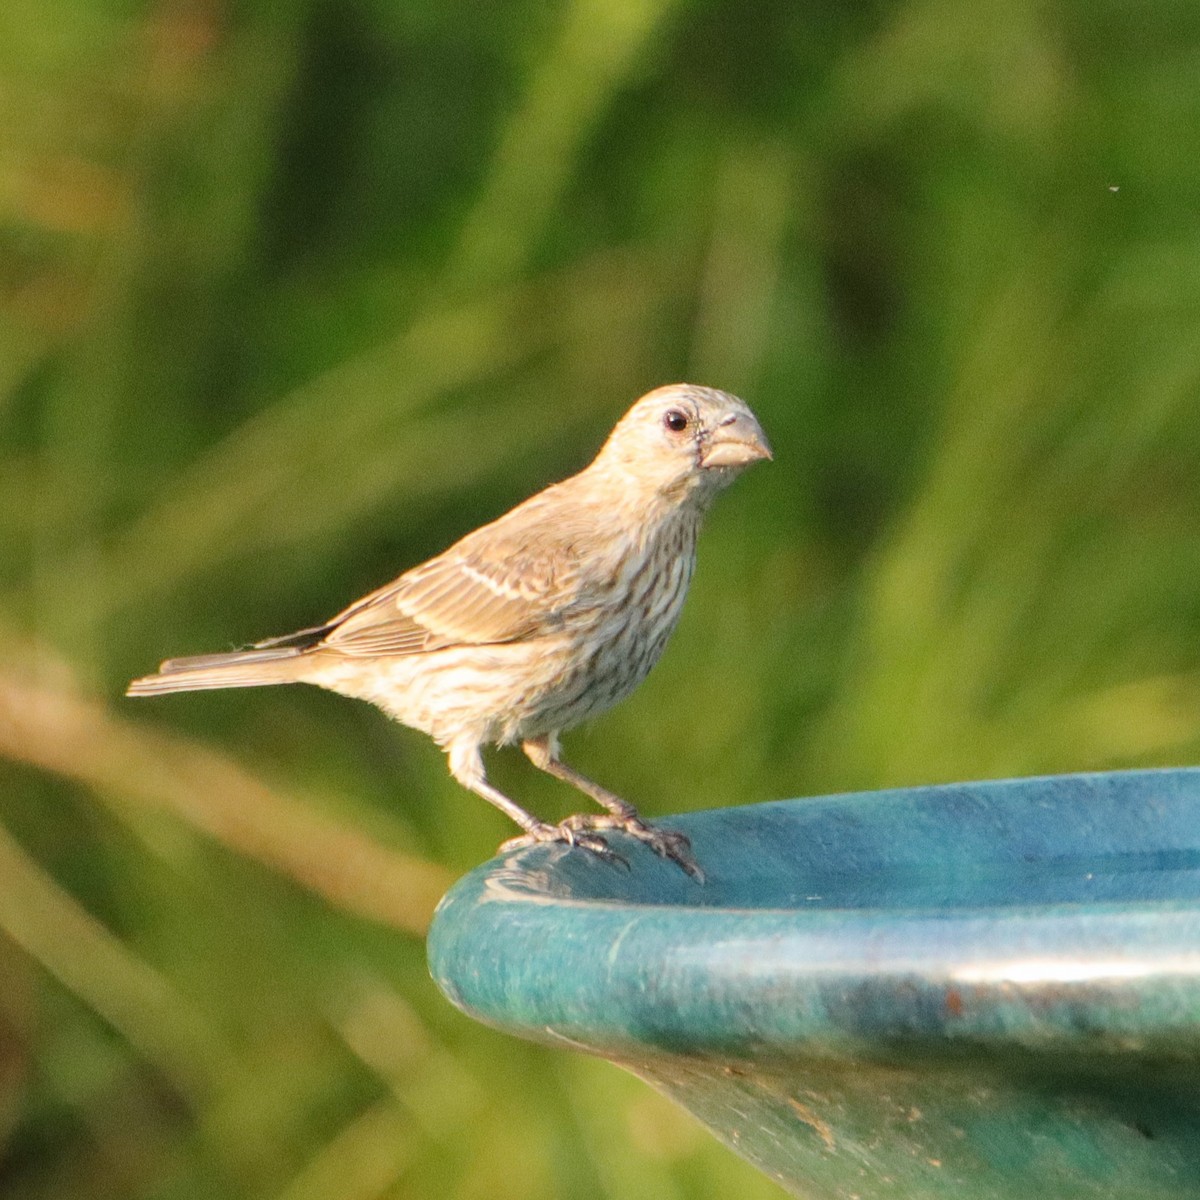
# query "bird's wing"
(510, 580)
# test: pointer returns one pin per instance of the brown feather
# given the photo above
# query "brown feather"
(512, 579)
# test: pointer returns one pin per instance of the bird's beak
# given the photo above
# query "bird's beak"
(737, 441)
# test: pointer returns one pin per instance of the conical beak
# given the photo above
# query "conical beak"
(737, 441)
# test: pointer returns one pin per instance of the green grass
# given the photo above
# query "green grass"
(292, 295)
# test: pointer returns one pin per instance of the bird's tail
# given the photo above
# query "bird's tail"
(241, 668)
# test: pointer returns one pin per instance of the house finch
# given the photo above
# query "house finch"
(534, 623)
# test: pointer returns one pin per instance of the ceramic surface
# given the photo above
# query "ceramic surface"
(970, 990)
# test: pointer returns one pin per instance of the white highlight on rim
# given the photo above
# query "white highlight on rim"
(1059, 970)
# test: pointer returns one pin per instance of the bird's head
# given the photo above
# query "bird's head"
(684, 442)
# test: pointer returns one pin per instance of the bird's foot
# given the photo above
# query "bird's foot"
(571, 835)
(666, 843)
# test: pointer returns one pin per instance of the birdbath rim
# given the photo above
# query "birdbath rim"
(1050, 914)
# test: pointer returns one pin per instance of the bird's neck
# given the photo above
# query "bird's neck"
(633, 504)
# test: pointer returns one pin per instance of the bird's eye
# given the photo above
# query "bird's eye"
(675, 420)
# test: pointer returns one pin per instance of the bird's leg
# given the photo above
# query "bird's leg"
(543, 752)
(466, 765)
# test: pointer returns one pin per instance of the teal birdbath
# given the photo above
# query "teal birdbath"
(977, 990)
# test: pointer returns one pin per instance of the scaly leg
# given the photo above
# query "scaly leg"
(543, 752)
(466, 765)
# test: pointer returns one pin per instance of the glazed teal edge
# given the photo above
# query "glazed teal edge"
(625, 980)
(697, 982)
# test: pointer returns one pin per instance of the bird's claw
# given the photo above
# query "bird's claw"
(666, 843)
(571, 835)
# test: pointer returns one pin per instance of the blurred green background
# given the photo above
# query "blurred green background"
(293, 294)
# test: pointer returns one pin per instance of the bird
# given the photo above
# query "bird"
(534, 623)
